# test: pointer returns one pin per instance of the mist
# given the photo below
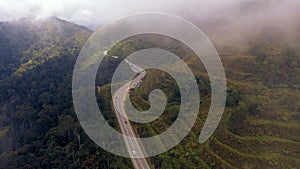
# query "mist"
(271, 21)
(225, 20)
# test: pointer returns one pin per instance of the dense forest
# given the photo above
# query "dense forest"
(39, 128)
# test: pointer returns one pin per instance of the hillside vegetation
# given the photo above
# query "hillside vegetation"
(262, 116)
(38, 125)
(39, 128)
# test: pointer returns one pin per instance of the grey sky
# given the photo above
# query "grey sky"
(92, 12)
(225, 19)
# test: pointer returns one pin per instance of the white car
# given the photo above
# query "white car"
(133, 152)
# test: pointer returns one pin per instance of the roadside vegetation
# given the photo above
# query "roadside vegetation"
(39, 128)
(262, 116)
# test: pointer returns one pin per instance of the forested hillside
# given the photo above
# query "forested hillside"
(39, 128)
(38, 125)
(262, 115)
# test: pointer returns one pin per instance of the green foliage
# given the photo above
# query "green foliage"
(39, 129)
(276, 66)
(38, 125)
(260, 103)
(233, 98)
(239, 117)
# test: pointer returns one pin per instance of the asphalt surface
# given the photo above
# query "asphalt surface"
(134, 148)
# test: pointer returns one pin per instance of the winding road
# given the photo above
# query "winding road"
(134, 148)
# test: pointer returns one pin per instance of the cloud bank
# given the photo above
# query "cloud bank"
(90, 12)
(234, 19)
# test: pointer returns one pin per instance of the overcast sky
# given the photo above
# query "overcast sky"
(96, 12)
(235, 18)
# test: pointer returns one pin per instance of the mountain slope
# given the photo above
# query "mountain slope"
(39, 128)
(38, 125)
(26, 43)
(261, 119)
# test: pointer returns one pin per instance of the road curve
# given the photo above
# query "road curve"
(134, 148)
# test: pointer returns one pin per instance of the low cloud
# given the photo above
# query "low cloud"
(226, 18)
(88, 12)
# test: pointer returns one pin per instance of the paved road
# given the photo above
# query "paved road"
(134, 148)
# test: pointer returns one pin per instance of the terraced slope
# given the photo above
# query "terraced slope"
(261, 124)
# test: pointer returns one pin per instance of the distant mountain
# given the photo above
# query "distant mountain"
(26, 42)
